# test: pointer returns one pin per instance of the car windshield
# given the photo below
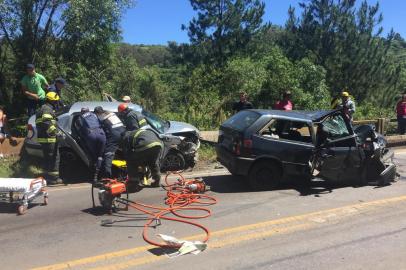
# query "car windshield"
(62, 110)
(335, 127)
(241, 120)
(155, 121)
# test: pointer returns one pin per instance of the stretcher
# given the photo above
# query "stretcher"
(22, 192)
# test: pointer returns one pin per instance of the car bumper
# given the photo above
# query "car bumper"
(236, 165)
(33, 148)
(389, 173)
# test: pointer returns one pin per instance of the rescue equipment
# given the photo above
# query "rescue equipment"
(22, 191)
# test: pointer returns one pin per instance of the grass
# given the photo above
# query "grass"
(207, 153)
(19, 167)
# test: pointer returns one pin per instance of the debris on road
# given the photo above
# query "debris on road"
(186, 247)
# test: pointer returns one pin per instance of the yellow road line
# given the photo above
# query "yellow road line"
(304, 218)
(246, 237)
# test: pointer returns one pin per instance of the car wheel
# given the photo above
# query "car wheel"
(173, 161)
(264, 175)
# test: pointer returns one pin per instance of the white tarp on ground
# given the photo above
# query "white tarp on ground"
(19, 184)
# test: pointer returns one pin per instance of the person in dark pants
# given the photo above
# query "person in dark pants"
(142, 148)
(132, 120)
(113, 128)
(94, 138)
(47, 130)
(243, 104)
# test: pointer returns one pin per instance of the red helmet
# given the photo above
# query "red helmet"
(122, 107)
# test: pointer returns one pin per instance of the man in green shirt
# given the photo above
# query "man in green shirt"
(33, 86)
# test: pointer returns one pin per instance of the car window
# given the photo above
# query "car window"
(287, 130)
(242, 120)
(335, 127)
(155, 121)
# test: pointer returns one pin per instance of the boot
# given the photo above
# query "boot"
(157, 180)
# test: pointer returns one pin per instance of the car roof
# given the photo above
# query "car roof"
(107, 105)
(309, 116)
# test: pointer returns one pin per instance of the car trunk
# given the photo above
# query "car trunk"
(230, 139)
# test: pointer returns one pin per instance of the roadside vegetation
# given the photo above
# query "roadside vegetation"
(324, 47)
(207, 153)
(15, 166)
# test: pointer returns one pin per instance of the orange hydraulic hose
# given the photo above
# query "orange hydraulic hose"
(179, 198)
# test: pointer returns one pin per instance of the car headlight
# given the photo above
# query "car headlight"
(17, 196)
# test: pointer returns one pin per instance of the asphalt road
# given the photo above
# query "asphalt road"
(290, 228)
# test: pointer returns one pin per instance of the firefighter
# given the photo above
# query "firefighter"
(142, 148)
(132, 120)
(47, 130)
(347, 105)
(94, 138)
(113, 128)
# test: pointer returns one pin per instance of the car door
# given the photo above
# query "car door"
(67, 139)
(338, 157)
(288, 141)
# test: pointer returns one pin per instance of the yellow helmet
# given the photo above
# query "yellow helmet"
(345, 94)
(52, 96)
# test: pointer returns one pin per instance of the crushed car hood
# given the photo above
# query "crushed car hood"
(178, 127)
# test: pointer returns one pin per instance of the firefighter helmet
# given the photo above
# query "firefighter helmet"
(52, 96)
(122, 107)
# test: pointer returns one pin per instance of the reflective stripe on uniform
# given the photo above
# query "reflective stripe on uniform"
(51, 129)
(142, 122)
(47, 140)
(46, 117)
(137, 134)
(148, 146)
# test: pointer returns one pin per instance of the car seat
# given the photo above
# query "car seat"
(294, 135)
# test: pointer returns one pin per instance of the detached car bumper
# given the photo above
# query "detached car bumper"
(389, 173)
(236, 165)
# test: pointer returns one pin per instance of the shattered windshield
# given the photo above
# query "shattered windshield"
(335, 127)
(155, 121)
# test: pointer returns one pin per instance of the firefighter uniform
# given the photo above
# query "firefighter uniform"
(113, 128)
(47, 130)
(132, 120)
(93, 137)
(142, 147)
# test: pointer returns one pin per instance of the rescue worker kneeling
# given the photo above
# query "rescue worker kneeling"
(142, 148)
(47, 131)
(93, 137)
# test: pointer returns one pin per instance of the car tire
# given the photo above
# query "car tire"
(264, 175)
(173, 161)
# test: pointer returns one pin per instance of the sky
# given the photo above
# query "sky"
(153, 22)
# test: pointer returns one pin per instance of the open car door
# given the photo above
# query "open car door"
(70, 141)
(337, 156)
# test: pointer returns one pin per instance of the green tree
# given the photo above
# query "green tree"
(58, 36)
(347, 42)
(224, 28)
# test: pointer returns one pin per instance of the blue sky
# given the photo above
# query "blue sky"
(159, 21)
